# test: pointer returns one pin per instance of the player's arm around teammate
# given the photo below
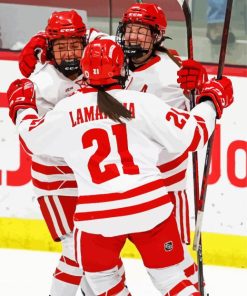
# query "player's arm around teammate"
(122, 171)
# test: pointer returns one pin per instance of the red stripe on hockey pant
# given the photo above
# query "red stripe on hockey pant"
(187, 218)
(54, 185)
(181, 216)
(51, 170)
(47, 217)
(68, 204)
(181, 212)
(189, 271)
(57, 214)
(115, 290)
(123, 211)
(118, 196)
(67, 278)
(179, 288)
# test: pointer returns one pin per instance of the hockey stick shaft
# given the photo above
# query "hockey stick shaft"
(110, 17)
(187, 15)
(210, 142)
(188, 19)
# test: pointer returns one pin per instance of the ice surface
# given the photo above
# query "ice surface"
(28, 273)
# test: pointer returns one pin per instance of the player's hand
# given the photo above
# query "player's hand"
(220, 92)
(21, 95)
(34, 50)
(192, 75)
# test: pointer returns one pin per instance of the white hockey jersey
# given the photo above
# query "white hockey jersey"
(158, 76)
(120, 188)
(52, 176)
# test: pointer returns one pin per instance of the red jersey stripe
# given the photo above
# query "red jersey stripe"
(173, 163)
(202, 124)
(175, 178)
(54, 185)
(123, 211)
(51, 170)
(118, 196)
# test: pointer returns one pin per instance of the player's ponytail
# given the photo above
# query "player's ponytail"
(111, 106)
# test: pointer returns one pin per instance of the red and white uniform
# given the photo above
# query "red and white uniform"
(54, 182)
(108, 155)
(158, 76)
(121, 191)
(51, 176)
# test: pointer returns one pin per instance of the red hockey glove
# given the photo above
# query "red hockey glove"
(192, 75)
(220, 92)
(29, 55)
(21, 95)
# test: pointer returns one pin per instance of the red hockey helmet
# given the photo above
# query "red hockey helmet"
(147, 14)
(102, 62)
(64, 24)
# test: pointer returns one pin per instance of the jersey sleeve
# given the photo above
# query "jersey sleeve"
(177, 130)
(41, 135)
(46, 89)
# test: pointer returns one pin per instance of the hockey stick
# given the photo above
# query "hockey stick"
(187, 14)
(210, 142)
(110, 16)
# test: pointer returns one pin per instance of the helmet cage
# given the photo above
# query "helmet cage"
(134, 48)
(64, 25)
(69, 65)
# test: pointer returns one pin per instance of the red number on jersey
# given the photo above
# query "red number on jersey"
(103, 150)
(178, 117)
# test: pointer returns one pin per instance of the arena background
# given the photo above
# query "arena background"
(225, 222)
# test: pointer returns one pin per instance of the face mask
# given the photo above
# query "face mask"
(69, 67)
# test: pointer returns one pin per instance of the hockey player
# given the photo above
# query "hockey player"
(58, 75)
(153, 69)
(111, 139)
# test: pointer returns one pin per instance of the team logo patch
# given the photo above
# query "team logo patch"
(168, 246)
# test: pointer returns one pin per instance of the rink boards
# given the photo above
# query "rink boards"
(225, 222)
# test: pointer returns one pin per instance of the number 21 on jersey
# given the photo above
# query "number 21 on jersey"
(110, 171)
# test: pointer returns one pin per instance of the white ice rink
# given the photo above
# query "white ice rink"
(28, 273)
